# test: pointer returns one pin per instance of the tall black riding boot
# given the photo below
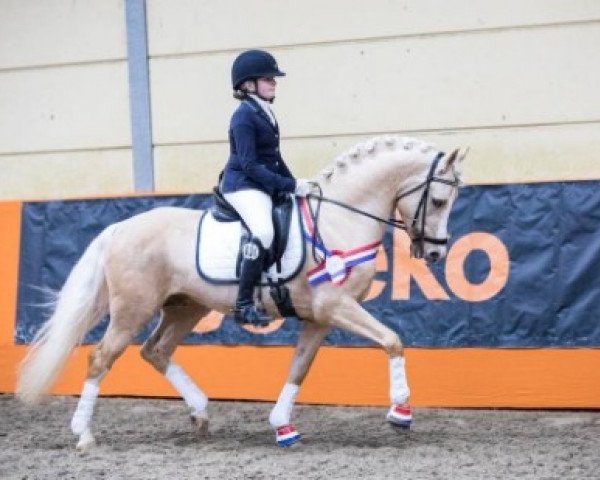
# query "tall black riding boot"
(253, 256)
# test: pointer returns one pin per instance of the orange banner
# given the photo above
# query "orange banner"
(10, 230)
(463, 377)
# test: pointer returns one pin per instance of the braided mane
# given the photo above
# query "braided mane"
(367, 149)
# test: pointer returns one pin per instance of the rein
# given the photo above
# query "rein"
(418, 241)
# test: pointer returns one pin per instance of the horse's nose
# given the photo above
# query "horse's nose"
(434, 256)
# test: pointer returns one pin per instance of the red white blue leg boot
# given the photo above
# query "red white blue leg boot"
(400, 415)
(286, 435)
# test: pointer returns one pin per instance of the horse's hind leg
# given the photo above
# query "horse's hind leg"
(309, 340)
(126, 321)
(179, 316)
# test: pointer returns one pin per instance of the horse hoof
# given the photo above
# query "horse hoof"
(86, 442)
(286, 435)
(400, 416)
(200, 425)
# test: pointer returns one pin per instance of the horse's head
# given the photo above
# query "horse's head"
(425, 202)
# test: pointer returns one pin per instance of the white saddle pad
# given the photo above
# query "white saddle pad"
(218, 245)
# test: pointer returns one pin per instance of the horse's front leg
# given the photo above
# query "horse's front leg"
(343, 311)
(309, 340)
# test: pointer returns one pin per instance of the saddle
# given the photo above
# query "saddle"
(222, 211)
(222, 234)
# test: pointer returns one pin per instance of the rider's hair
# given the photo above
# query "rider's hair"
(240, 94)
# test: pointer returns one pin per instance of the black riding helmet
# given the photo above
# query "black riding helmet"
(253, 64)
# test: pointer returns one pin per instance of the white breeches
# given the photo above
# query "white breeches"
(255, 207)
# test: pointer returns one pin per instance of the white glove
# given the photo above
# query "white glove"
(303, 187)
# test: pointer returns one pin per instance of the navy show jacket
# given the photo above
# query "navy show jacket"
(255, 161)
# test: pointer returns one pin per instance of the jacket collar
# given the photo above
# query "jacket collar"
(253, 103)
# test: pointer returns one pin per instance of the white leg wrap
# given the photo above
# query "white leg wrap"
(399, 391)
(192, 395)
(282, 411)
(85, 408)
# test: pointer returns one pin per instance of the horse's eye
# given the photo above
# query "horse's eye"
(438, 203)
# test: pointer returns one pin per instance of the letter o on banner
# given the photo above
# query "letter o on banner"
(499, 267)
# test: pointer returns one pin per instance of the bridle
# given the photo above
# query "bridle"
(417, 246)
(417, 242)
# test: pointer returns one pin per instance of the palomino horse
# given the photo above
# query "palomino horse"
(146, 264)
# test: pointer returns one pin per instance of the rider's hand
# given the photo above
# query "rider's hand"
(303, 187)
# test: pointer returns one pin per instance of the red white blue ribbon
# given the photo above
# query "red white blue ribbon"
(335, 265)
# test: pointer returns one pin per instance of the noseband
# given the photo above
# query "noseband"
(417, 243)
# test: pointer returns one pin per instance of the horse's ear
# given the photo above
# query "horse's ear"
(463, 155)
(449, 161)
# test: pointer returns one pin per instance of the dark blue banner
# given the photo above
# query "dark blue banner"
(523, 270)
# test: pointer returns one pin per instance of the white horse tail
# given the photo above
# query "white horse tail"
(79, 306)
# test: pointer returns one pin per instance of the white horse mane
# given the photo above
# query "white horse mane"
(367, 149)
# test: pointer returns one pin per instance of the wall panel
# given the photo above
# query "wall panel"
(65, 108)
(506, 155)
(67, 174)
(189, 26)
(474, 80)
(60, 31)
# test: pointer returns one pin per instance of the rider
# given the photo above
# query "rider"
(255, 171)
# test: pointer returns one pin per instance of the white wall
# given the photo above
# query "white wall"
(64, 107)
(515, 79)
